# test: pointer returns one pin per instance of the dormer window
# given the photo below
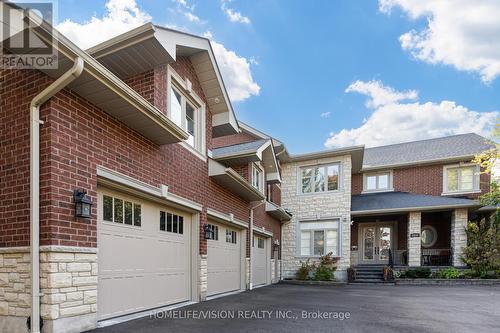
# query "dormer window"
(377, 181)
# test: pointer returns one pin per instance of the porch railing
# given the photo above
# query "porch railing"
(436, 257)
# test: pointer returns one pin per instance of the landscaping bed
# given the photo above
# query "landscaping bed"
(448, 282)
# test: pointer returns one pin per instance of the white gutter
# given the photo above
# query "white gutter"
(35, 122)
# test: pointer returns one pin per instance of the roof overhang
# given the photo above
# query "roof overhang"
(231, 180)
(102, 88)
(277, 212)
(412, 209)
(418, 163)
(264, 153)
(356, 153)
(149, 45)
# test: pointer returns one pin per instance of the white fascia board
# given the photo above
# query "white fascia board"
(225, 218)
(262, 231)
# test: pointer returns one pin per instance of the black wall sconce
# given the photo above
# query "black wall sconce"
(209, 232)
(83, 204)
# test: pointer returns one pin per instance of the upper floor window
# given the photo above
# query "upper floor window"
(459, 179)
(257, 177)
(321, 178)
(185, 115)
(379, 181)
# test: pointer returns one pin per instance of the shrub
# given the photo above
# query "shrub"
(388, 273)
(304, 270)
(416, 273)
(326, 268)
(323, 273)
(450, 273)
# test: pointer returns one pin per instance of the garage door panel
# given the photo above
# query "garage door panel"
(224, 262)
(141, 267)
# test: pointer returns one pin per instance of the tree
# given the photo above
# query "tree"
(488, 159)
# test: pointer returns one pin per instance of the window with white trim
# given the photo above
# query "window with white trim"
(377, 181)
(185, 113)
(321, 178)
(257, 177)
(318, 238)
(461, 179)
(121, 211)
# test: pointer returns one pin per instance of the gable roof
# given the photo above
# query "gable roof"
(456, 147)
(239, 149)
(386, 202)
(148, 46)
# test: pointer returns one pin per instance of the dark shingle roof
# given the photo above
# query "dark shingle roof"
(403, 201)
(462, 145)
(249, 147)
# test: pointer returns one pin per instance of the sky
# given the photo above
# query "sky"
(321, 74)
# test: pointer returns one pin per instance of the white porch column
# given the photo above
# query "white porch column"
(458, 238)
(414, 243)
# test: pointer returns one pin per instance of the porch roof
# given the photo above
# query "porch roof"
(391, 202)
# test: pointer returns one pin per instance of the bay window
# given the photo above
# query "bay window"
(321, 178)
(318, 238)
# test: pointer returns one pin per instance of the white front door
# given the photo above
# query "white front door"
(376, 241)
(224, 260)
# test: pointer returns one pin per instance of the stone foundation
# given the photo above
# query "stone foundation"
(203, 279)
(68, 284)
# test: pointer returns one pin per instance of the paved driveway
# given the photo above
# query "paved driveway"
(350, 308)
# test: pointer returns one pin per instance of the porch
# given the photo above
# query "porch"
(407, 229)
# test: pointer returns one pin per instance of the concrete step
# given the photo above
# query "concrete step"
(369, 276)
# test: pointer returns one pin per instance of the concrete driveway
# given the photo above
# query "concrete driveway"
(351, 308)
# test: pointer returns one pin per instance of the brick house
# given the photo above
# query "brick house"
(187, 202)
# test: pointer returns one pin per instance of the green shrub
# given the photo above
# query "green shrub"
(470, 274)
(450, 273)
(323, 273)
(416, 273)
(304, 271)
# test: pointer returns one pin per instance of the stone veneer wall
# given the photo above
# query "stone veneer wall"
(203, 280)
(458, 239)
(414, 243)
(315, 206)
(68, 284)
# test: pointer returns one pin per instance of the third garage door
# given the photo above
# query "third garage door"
(223, 259)
(260, 267)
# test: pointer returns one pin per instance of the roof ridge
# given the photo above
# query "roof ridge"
(430, 139)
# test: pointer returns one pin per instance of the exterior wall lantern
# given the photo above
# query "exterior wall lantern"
(83, 204)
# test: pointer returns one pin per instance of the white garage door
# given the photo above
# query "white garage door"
(223, 259)
(260, 261)
(144, 255)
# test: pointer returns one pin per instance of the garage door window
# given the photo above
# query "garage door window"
(260, 242)
(121, 211)
(171, 223)
(213, 232)
(230, 236)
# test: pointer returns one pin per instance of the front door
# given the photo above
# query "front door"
(376, 241)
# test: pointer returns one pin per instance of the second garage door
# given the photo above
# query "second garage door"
(260, 255)
(144, 255)
(223, 259)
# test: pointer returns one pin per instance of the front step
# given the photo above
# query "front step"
(369, 274)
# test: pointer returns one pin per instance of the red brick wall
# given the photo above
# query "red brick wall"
(419, 179)
(276, 194)
(75, 139)
(262, 219)
(234, 139)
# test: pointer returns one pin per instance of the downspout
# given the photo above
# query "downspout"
(35, 122)
(250, 283)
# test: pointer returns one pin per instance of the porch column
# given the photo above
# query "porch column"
(458, 238)
(414, 243)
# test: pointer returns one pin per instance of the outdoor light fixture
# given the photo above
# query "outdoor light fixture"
(209, 232)
(83, 204)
